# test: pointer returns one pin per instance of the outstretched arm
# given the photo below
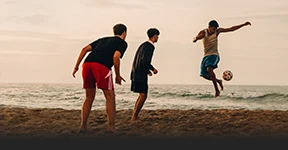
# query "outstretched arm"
(80, 57)
(200, 35)
(233, 28)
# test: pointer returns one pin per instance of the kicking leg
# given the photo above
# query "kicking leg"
(86, 107)
(214, 80)
(138, 105)
(219, 81)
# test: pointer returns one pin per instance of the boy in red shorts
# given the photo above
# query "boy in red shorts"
(97, 72)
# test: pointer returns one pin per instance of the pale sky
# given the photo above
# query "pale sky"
(41, 40)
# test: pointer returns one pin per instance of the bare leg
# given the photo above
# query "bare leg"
(138, 105)
(110, 109)
(219, 81)
(86, 107)
(214, 80)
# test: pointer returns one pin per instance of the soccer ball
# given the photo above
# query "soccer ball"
(227, 75)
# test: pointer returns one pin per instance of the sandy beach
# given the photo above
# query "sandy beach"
(23, 123)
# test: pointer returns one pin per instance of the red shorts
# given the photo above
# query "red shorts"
(97, 75)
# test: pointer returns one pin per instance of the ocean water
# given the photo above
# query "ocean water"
(182, 97)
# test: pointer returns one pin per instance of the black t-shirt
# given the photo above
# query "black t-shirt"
(142, 62)
(103, 50)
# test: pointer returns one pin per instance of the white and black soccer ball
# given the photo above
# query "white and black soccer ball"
(227, 75)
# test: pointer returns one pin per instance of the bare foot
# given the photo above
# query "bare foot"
(110, 129)
(82, 129)
(111, 133)
(217, 93)
(221, 85)
(134, 118)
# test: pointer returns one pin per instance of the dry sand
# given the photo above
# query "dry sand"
(33, 124)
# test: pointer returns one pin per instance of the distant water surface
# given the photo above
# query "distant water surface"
(183, 97)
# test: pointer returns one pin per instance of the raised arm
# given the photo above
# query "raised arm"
(233, 28)
(80, 57)
(200, 35)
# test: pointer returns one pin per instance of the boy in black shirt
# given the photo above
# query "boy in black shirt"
(97, 72)
(141, 68)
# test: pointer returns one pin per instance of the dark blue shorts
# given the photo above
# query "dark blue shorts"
(208, 61)
(139, 87)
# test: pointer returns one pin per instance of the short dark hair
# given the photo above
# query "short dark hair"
(152, 31)
(213, 23)
(119, 28)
